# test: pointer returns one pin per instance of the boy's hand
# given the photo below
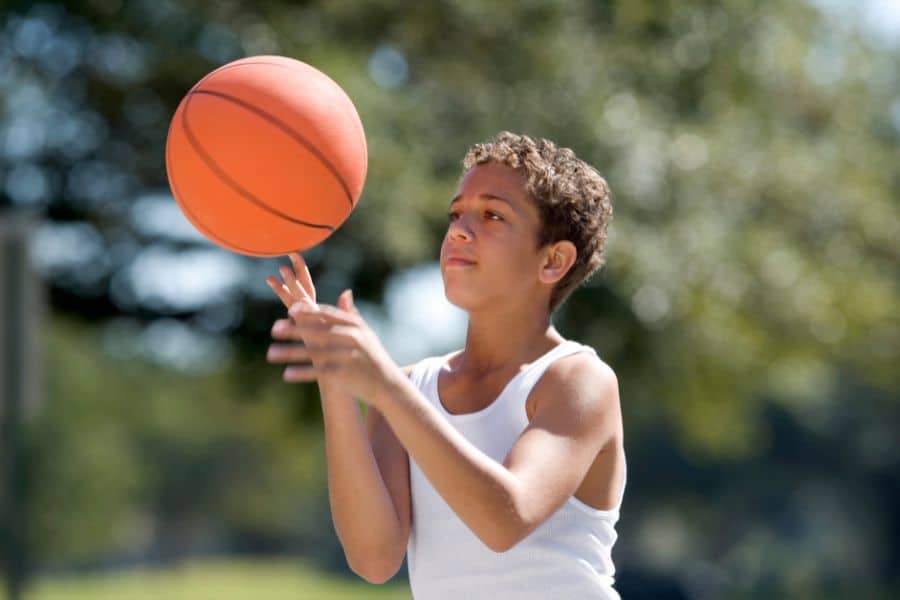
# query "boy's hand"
(296, 285)
(338, 342)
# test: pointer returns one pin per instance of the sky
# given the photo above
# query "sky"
(880, 18)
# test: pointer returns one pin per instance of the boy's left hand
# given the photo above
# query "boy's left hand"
(338, 341)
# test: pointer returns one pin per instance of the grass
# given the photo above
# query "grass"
(216, 580)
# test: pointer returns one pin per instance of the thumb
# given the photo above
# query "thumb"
(345, 301)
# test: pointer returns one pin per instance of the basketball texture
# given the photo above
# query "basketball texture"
(266, 155)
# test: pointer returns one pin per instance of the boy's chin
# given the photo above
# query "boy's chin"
(455, 299)
(463, 299)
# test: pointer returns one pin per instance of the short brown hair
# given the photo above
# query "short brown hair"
(572, 197)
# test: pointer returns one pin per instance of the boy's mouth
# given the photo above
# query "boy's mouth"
(459, 261)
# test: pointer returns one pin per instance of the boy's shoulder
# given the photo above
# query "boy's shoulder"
(586, 365)
(582, 378)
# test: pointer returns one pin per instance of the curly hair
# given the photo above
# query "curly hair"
(573, 199)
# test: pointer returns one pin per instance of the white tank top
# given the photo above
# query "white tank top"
(566, 557)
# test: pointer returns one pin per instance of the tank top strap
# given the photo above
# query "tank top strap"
(535, 370)
(426, 371)
(421, 372)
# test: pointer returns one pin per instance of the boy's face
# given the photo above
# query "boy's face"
(490, 249)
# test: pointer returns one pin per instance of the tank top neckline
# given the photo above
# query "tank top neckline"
(443, 363)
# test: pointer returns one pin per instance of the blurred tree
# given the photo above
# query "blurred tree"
(135, 459)
(750, 304)
(749, 148)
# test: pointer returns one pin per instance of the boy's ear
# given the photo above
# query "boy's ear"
(558, 259)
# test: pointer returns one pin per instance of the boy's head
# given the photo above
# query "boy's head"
(572, 198)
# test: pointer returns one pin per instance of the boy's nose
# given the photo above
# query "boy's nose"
(460, 230)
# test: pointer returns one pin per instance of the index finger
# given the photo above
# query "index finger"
(301, 271)
(281, 291)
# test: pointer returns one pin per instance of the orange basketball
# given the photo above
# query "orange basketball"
(266, 155)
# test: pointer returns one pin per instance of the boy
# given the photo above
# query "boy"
(498, 470)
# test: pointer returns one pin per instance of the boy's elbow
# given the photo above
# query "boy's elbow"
(375, 575)
(503, 539)
(503, 543)
(508, 527)
(375, 569)
(499, 546)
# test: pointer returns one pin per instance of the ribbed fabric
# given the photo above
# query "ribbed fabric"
(567, 557)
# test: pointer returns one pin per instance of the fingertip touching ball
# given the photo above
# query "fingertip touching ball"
(266, 155)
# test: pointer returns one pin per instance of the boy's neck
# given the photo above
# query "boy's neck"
(501, 339)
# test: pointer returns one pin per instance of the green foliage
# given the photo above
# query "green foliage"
(749, 148)
(130, 455)
(750, 303)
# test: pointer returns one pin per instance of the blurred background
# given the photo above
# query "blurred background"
(749, 306)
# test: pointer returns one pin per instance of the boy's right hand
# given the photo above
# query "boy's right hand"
(295, 285)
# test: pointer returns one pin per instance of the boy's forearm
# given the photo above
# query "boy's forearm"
(364, 515)
(480, 491)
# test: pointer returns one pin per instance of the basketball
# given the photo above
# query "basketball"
(266, 155)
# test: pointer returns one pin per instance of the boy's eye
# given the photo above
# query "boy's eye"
(488, 214)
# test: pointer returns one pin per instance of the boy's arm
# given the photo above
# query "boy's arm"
(576, 416)
(393, 465)
(368, 480)
(368, 486)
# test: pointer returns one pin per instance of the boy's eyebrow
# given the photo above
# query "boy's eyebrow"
(484, 196)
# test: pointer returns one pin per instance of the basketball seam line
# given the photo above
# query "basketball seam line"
(196, 220)
(230, 182)
(286, 129)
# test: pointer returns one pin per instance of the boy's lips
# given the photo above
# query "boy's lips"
(459, 261)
